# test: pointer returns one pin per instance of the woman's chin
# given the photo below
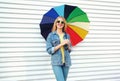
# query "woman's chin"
(60, 27)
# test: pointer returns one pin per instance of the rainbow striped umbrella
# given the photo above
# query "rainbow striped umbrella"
(77, 22)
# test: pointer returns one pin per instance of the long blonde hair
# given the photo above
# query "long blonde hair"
(54, 28)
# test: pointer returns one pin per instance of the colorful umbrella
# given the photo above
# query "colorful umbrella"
(77, 22)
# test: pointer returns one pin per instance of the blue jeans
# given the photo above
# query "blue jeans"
(60, 72)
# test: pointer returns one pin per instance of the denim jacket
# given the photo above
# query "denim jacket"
(56, 57)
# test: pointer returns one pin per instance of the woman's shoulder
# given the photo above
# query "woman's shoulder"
(51, 34)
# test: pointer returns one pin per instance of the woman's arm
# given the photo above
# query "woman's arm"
(50, 49)
(69, 43)
(66, 41)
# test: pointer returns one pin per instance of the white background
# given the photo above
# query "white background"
(23, 55)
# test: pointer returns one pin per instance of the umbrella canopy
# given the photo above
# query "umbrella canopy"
(77, 22)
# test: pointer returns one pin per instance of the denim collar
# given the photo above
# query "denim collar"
(55, 33)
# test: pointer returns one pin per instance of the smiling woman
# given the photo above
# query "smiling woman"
(59, 51)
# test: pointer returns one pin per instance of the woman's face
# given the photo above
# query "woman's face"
(60, 23)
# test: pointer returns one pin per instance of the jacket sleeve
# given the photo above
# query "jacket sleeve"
(49, 47)
(70, 43)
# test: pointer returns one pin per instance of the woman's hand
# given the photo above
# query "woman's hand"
(64, 42)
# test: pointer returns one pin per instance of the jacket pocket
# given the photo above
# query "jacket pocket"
(55, 42)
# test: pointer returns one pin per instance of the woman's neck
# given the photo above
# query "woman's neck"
(59, 31)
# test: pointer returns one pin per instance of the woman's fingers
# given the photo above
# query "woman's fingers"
(66, 41)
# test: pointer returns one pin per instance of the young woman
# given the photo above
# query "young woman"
(59, 47)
